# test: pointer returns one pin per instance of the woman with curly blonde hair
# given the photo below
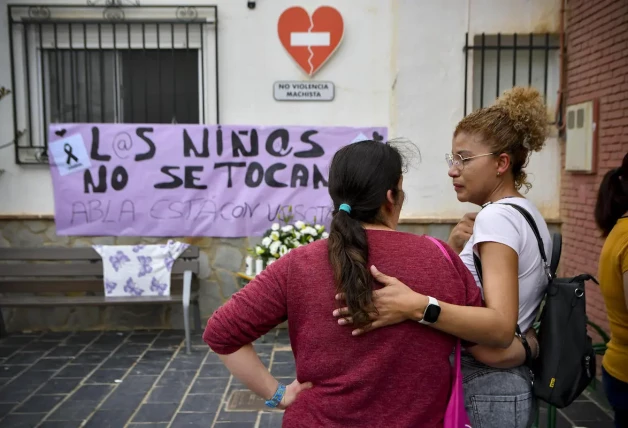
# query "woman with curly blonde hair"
(490, 151)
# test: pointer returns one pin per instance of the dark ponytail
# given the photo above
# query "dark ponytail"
(612, 198)
(360, 176)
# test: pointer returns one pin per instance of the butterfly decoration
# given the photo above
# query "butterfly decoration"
(110, 286)
(158, 287)
(132, 288)
(118, 259)
(145, 267)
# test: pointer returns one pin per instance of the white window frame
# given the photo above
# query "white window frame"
(27, 67)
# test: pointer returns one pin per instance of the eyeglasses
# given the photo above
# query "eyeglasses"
(457, 161)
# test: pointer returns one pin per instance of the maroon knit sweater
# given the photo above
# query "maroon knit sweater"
(397, 376)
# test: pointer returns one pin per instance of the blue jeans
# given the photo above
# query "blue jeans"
(617, 394)
(497, 398)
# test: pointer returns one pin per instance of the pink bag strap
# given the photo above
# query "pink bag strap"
(446, 254)
(440, 246)
(455, 415)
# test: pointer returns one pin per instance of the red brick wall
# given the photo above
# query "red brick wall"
(597, 69)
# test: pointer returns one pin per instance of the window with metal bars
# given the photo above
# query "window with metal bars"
(497, 62)
(139, 64)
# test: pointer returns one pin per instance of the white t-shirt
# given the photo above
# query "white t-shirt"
(504, 224)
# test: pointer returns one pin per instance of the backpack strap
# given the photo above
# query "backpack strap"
(530, 220)
(557, 246)
(535, 229)
(546, 266)
(478, 266)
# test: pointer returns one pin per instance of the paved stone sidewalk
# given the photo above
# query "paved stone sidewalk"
(145, 379)
(124, 379)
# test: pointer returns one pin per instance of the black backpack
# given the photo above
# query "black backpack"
(566, 363)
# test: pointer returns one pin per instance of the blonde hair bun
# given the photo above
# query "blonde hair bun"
(526, 109)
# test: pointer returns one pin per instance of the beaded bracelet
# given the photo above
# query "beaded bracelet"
(274, 402)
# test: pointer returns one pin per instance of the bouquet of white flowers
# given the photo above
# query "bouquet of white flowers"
(279, 240)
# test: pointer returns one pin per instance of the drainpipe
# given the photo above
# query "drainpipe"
(561, 102)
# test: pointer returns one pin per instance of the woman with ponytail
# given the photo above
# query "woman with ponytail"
(398, 376)
(611, 215)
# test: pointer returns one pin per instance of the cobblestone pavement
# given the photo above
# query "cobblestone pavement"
(124, 379)
(145, 379)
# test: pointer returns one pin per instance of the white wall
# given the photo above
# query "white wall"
(400, 65)
(428, 95)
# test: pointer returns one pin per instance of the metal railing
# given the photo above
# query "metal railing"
(109, 64)
(502, 61)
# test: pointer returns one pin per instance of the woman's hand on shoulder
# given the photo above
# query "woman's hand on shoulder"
(394, 303)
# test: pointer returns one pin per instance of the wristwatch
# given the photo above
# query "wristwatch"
(432, 311)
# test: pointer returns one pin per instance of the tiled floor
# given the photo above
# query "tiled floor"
(145, 379)
(582, 413)
(124, 379)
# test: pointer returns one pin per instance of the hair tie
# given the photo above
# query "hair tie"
(345, 207)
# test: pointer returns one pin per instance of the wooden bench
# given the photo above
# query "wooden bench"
(65, 270)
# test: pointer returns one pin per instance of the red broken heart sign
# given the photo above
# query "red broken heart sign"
(310, 40)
